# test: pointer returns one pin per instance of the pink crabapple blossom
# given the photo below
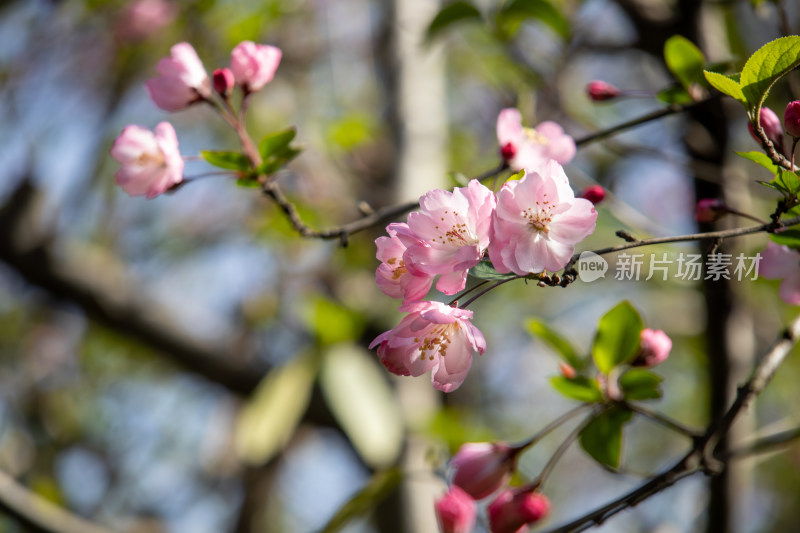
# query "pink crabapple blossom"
(142, 18)
(781, 262)
(453, 232)
(537, 223)
(254, 65)
(455, 511)
(530, 148)
(480, 468)
(431, 337)
(655, 346)
(791, 118)
(392, 275)
(151, 162)
(514, 509)
(772, 128)
(182, 79)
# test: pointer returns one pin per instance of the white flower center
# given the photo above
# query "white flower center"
(534, 136)
(436, 341)
(456, 235)
(540, 217)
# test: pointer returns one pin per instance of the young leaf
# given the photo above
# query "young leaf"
(726, 85)
(359, 396)
(578, 388)
(640, 384)
(485, 270)
(379, 487)
(760, 158)
(276, 143)
(450, 14)
(602, 437)
(267, 422)
(674, 95)
(789, 237)
(561, 345)
(541, 10)
(226, 160)
(617, 338)
(766, 66)
(685, 61)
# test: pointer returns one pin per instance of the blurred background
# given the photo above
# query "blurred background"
(189, 364)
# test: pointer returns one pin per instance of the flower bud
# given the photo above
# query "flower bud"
(455, 512)
(483, 467)
(515, 508)
(772, 128)
(567, 370)
(600, 91)
(791, 118)
(508, 151)
(655, 348)
(594, 193)
(710, 209)
(223, 81)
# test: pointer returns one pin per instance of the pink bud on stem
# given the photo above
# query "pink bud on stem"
(601, 91)
(771, 125)
(455, 511)
(655, 348)
(483, 467)
(515, 508)
(223, 82)
(791, 121)
(594, 193)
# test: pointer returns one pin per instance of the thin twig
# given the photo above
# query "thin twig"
(560, 451)
(551, 426)
(489, 288)
(655, 115)
(664, 420)
(765, 444)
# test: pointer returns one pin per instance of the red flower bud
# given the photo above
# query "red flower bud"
(594, 193)
(791, 118)
(566, 370)
(223, 81)
(514, 508)
(772, 127)
(508, 151)
(455, 511)
(710, 209)
(600, 91)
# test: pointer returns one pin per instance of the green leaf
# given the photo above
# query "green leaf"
(789, 237)
(517, 11)
(516, 176)
(617, 338)
(248, 182)
(726, 85)
(451, 14)
(359, 396)
(268, 420)
(760, 158)
(674, 95)
(766, 66)
(226, 160)
(685, 61)
(276, 143)
(558, 343)
(578, 388)
(602, 437)
(485, 270)
(378, 489)
(640, 384)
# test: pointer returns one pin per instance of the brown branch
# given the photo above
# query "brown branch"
(697, 459)
(40, 515)
(113, 299)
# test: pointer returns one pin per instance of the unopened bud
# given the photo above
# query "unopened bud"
(791, 118)
(483, 467)
(223, 81)
(710, 209)
(594, 193)
(508, 151)
(455, 512)
(600, 91)
(771, 125)
(515, 508)
(655, 348)
(566, 370)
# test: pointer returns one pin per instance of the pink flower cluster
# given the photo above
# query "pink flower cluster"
(530, 226)
(151, 163)
(480, 470)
